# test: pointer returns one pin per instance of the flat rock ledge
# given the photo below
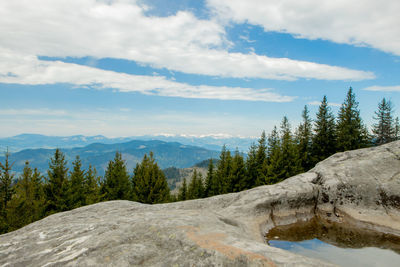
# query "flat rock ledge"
(360, 188)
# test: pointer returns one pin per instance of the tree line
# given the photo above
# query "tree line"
(284, 153)
(34, 196)
(275, 157)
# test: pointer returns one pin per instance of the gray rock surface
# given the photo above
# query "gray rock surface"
(359, 187)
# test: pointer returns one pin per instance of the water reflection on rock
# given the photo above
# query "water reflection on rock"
(338, 243)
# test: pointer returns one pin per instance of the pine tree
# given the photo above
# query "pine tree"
(200, 186)
(116, 180)
(193, 189)
(209, 190)
(260, 160)
(27, 203)
(324, 138)
(6, 178)
(149, 183)
(57, 185)
(76, 193)
(183, 195)
(91, 186)
(221, 182)
(283, 162)
(290, 157)
(303, 137)
(39, 193)
(251, 167)
(351, 133)
(238, 177)
(274, 157)
(384, 129)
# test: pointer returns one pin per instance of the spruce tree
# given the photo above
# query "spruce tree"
(76, 193)
(238, 177)
(149, 182)
(116, 180)
(274, 157)
(290, 162)
(351, 132)
(260, 160)
(91, 186)
(221, 182)
(283, 161)
(303, 138)
(209, 190)
(25, 196)
(200, 186)
(251, 167)
(324, 138)
(6, 178)
(27, 203)
(384, 130)
(193, 189)
(57, 185)
(183, 194)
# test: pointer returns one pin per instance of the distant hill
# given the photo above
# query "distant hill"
(175, 176)
(167, 154)
(33, 141)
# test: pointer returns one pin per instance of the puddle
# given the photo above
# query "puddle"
(332, 242)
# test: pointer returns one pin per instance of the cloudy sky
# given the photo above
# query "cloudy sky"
(126, 67)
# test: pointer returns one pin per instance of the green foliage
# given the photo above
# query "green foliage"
(252, 167)
(6, 177)
(183, 194)
(351, 132)
(57, 186)
(260, 161)
(149, 183)
(271, 160)
(324, 138)
(116, 180)
(238, 179)
(196, 188)
(76, 194)
(303, 140)
(384, 131)
(26, 206)
(91, 186)
(283, 162)
(209, 185)
(221, 182)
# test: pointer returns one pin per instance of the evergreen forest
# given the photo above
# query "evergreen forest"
(276, 156)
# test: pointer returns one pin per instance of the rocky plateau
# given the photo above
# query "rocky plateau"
(359, 188)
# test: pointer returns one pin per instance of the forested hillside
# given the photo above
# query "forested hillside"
(98, 155)
(275, 157)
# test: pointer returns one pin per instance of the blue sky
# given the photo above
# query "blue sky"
(232, 67)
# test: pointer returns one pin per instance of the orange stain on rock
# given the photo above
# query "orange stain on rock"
(214, 241)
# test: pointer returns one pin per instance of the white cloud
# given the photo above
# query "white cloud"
(367, 22)
(29, 70)
(120, 29)
(317, 103)
(395, 88)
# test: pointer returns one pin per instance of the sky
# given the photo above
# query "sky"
(190, 67)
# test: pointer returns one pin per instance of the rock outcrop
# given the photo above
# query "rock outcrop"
(359, 187)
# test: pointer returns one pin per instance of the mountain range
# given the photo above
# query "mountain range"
(167, 154)
(33, 141)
